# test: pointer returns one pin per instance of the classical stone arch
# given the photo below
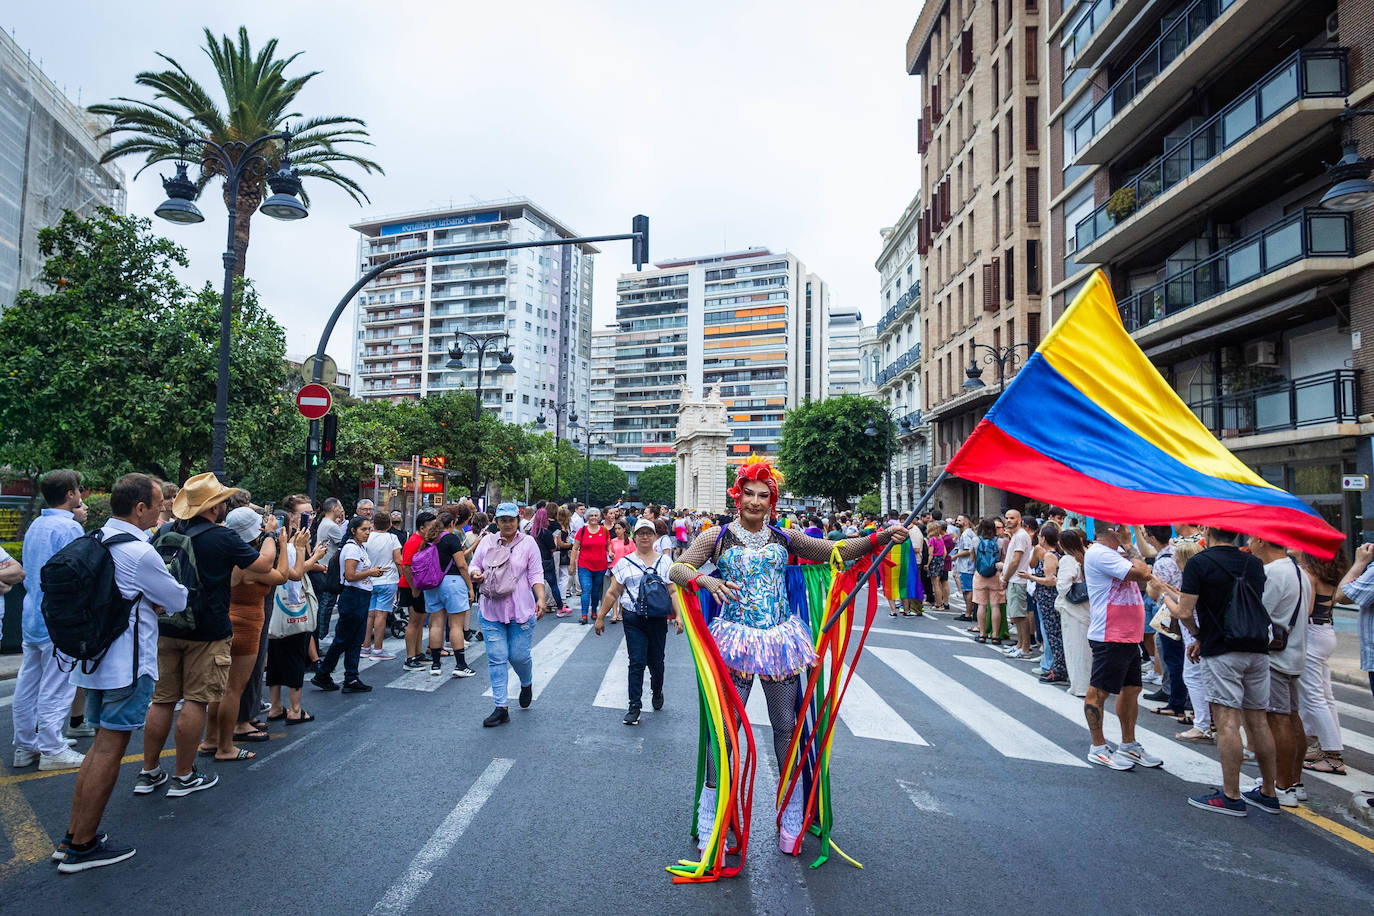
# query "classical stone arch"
(702, 433)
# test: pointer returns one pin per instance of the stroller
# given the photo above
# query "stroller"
(397, 618)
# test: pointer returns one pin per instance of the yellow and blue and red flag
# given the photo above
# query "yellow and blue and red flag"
(1089, 424)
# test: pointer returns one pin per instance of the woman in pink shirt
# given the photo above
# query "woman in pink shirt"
(509, 560)
(591, 556)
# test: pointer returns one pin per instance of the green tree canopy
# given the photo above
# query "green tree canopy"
(608, 482)
(824, 451)
(658, 484)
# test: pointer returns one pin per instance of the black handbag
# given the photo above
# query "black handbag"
(1078, 592)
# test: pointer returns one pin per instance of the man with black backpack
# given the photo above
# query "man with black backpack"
(1222, 605)
(193, 645)
(120, 685)
(639, 583)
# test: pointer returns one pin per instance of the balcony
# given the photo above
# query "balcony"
(1096, 27)
(911, 357)
(1279, 112)
(1204, 35)
(1310, 400)
(914, 424)
(1305, 246)
(903, 302)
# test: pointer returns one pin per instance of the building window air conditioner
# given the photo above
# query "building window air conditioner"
(1262, 353)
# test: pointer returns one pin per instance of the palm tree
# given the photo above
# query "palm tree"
(256, 100)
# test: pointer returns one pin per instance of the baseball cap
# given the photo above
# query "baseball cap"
(244, 522)
(644, 523)
(507, 510)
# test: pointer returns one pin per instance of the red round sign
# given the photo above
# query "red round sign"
(313, 401)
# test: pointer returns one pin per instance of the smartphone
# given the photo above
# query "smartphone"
(281, 520)
(305, 521)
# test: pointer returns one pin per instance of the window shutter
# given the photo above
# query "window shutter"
(935, 101)
(1033, 266)
(922, 144)
(988, 304)
(1032, 53)
(966, 51)
(1033, 329)
(996, 281)
(1032, 195)
(1010, 284)
(1032, 121)
(944, 199)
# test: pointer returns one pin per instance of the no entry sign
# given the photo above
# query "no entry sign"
(313, 401)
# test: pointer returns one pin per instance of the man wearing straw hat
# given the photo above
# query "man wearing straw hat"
(194, 666)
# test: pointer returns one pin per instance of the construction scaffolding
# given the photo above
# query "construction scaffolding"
(49, 162)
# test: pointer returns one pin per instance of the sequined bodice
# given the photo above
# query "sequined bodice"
(757, 561)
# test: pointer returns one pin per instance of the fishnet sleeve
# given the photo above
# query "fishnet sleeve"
(817, 550)
(685, 569)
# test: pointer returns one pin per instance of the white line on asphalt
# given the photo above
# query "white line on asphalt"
(890, 632)
(614, 690)
(869, 716)
(1005, 734)
(1180, 760)
(922, 799)
(401, 894)
(424, 682)
(316, 729)
(6, 701)
(549, 655)
(1358, 741)
(336, 766)
(1355, 712)
(390, 644)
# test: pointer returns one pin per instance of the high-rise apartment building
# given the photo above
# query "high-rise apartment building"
(750, 324)
(601, 409)
(1186, 150)
(49, 162)
(541, 298)
(979, 234)
(842, 365)
(899, 381)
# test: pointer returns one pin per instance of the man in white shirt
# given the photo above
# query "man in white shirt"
(120, 688)
(1019, 551)
(1287, 597)
(330, 533)
(964, 547)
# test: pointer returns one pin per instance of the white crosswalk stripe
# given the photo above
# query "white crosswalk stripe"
(868, 715)
(424, 682)
(549, 655)
(1354, 712)
(613, 693)
(1007, 735)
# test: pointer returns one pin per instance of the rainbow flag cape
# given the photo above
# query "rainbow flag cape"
(1089, 424)
(899, 575)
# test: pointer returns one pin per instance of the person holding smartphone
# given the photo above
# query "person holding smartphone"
(356, 572)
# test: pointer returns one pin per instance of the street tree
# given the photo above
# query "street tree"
(658, 484)
(608, 482)
(255, 99)
(824, 452)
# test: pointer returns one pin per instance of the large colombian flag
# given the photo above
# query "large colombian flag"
(1089, 424)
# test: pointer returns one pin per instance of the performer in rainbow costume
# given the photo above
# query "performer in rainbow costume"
(761, 616)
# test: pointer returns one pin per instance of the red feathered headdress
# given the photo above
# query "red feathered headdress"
(760, 470)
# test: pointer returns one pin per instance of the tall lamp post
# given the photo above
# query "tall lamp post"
(480, 344)
(1002, 357)
(237, 162)
(872, 431)
(600, 443)
(541, 425)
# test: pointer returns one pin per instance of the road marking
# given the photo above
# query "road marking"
(23, 831)
(390, 644)
(868, 715)
(314, 733)
(1330, 826)
(890, 632)
(968, 638)
(614, 690)
(1001, 731)
(401, 894)
(424, 682)
(1358, 741)
(1354, 712)
(49, 774)
(549, 655)
(922, 799)
(1180, 760)
(336, 766)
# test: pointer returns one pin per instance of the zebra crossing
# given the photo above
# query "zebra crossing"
(990, 704)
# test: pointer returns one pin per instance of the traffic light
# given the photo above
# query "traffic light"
(640, 245)
(330, 434)
(312, 453)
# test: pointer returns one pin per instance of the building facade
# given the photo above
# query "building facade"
(539, 297)
(601, 409)
(870, 360)
(1187, 145)
(979, 232)
(898, 379)
(842, 363)
(49, 162)
(751, 325)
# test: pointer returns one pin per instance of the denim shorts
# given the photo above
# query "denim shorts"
(451, 596)
(966, 581)
(122, 709)
(383, 597)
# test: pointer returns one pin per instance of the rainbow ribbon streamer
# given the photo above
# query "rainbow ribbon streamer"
(900, 573)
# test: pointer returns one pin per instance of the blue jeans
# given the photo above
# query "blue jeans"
(592, 583)
(508, 642)
(348, 635)
(1171, 654)
(324, 612)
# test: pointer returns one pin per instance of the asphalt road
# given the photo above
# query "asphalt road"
(959, 783)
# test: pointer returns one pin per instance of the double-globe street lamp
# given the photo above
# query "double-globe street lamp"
(541, 424)
(872, 431)
(236, 161)
(480, 344)
(1003, 358)
(600, 443)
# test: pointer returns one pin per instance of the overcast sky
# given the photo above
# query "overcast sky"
(789, 125)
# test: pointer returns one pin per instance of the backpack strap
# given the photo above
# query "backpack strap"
(1297, 609)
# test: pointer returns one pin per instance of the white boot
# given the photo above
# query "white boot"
(706, 816)
(791, 822)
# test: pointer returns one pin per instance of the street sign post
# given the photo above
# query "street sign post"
(313, 401)
(1355, 482)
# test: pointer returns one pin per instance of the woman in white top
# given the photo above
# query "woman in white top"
(645, 637)
(1073, 615)
(384, 550)
(356, 572)
(665, 543)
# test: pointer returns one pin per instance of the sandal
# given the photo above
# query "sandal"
(1328, 762)
(1194, 734)
(980, 639)
(243, 754)
(258, 725)
(1164, 711)
(207, 752)
(252, 736)
(303, 717)
(274, 718)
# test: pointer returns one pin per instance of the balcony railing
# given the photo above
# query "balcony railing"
(1305, 233)
(903, 302)
(1175, 39)
(1083, 28)
(1307, 74)
(908, 359)
(913, 421)
(1327, 397)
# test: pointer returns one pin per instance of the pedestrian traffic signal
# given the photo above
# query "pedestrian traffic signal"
(331, 433)
(312, 453)
(640, 244)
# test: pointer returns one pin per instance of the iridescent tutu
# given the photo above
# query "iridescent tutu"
(776, 651)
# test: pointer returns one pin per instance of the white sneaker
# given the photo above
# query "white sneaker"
(66, 759)
(1137, 754)
(1289, 797)
(1154, 680)
(24, 757)
(1299, 791)
(366, 653)
(1103, 756)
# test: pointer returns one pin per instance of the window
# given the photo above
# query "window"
(996, 150)
(1032, 195)
(1011, 205)
(1032, 53)
(996, 215)
(989, 289)
(1032, 118)
(1033, 329)
(1033, 266)
(1009, 280)
(996, 84)
(1011, 138)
